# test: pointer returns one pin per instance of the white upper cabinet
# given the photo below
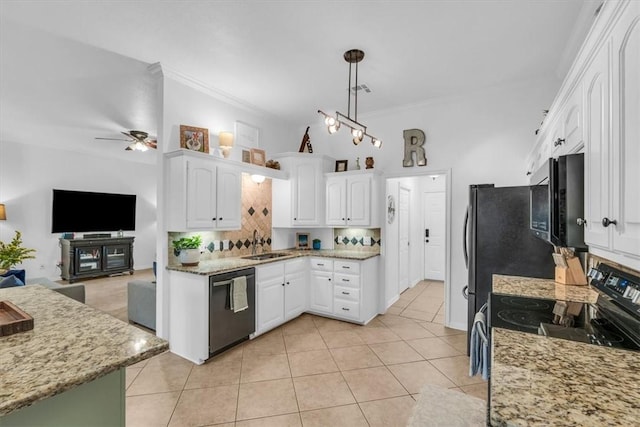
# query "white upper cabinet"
(202, 194)
(625, 185)
(349, 200)
(299, 201)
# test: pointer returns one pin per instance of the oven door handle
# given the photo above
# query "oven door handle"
(464, 238)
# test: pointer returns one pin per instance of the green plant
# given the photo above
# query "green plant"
(13, 253)
(192, 242)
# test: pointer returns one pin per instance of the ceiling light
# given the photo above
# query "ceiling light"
(358, 130)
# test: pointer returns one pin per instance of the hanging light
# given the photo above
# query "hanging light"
(358, 130)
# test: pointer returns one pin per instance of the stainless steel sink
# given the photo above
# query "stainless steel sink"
(262, 257)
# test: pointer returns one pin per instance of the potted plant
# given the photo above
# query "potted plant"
(14, 253)
(187, 249)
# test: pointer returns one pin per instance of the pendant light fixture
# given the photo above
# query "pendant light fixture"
(358, 130)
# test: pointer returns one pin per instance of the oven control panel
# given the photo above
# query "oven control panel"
(623, 287)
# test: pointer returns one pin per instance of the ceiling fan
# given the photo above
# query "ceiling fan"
(139, 140)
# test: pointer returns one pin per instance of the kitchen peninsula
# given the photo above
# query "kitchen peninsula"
(541, 381)
(70, 368)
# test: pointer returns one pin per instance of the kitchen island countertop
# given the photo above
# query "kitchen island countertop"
(71, 344)
(222, 265)
(542, 381)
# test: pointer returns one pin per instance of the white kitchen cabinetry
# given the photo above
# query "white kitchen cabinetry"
(612, 172)
(299, 201)
(202, 193)
(352, 199)
(346, 290)
(281, 293)
(321, 286)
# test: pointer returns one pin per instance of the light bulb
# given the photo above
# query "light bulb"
(357, 141)
(376, 142)
(141, 147)
(330, 121)
(333, 128)
(357, 133)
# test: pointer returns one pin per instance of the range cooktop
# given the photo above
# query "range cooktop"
(613, 321)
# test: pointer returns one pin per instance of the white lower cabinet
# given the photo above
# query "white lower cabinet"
(321, 292)
(281, 293)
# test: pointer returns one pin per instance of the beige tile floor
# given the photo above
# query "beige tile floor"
(312, 371)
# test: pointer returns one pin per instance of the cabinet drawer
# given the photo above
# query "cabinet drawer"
(346, 293)
(346, 267)
(343, 308)
(321, 264)
(350, 280)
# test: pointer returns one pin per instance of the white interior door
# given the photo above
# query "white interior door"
(434, 214)
(404, 197)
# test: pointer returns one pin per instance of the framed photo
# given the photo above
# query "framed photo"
(246, 156)
(341, 165)
(247, 135)
(258, 157)
(303, 241)
(195, 139)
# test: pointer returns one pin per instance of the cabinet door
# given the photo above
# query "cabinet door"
(321, 292)
(336, 201)
(201, 194)
(88, 259)
(572, 123)
(596, 138)
(626, 132)
(116, 257)
(306, 181)
(229, 199)
(270, 303)
(359, 200)
(295, 295)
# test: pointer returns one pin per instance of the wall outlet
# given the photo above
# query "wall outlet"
(366, 241)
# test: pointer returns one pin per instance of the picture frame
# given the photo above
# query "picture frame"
(194, 138)
(341, 165)
(246, 156)
(247, 135)
(258, 157)
(303, 241)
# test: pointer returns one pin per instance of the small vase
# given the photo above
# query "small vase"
(369, 162)
(189, 257)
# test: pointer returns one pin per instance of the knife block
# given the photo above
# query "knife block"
(572, 274)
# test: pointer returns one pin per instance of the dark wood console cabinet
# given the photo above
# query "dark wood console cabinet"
(85, 258)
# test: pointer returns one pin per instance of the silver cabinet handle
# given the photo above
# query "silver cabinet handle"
(345, 280)
(346, 293)
(345, 309)
(344, 266)
(320, 265)
(581, 221)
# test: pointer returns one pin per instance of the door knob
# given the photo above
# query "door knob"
(581, 221)
(607, 222)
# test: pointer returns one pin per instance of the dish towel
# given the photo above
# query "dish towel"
(238, 298)
(479, 346)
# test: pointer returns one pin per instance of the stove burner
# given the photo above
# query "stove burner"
(525, 303)
(525, 319)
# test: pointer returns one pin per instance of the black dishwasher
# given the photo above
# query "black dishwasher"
(226, 327)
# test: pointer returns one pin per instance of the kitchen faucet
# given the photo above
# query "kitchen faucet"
(256, 237)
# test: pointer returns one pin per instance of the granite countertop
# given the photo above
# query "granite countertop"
(542, 288)
(542, 381)
(222, 265)
(70, 344)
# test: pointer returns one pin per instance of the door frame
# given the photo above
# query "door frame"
(413, 173)
(402, 188)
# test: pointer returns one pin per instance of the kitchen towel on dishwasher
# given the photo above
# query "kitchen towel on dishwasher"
(479, 346)
(239, 294)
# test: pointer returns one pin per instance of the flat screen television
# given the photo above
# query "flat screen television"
(80, 211)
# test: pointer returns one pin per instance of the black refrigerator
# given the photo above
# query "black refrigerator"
(497, 240)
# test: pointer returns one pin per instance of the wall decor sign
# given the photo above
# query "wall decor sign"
(341, 165)
(302, 241)
(258, 157)
(247, 135)
(414, 139)
(195, 139)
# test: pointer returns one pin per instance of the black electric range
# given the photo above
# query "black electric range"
(612, 321)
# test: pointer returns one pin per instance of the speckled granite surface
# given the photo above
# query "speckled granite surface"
(543, 381)
(70, 344)
(542, 288)
(222, 265)
(540, 381)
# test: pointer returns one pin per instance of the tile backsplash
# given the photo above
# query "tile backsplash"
(256, 215)
(357, 239)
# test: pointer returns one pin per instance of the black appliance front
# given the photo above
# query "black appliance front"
(498, 241)
(227, 328)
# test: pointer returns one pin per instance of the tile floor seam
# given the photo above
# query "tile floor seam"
(235, 417)
(293, 383)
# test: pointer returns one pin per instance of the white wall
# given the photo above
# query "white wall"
(482, 137)
(28, 173)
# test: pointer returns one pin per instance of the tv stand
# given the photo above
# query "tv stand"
(87, 258)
